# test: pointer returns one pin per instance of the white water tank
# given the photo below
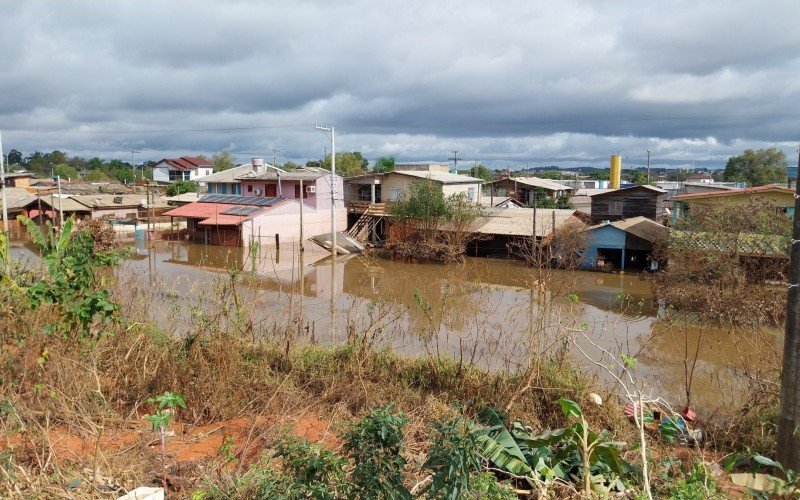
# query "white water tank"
(258, 165)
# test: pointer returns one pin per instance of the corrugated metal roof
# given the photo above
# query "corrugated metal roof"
(66, 204)
(539, 182)
(632, 188)
(444, 178)
(302, 173)
(17, 198)
(110, 200)
(229, 175)
(733, 192)
(518, 221)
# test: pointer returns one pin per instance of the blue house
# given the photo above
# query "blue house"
(622, 244)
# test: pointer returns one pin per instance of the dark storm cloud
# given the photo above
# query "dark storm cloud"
(556, 82)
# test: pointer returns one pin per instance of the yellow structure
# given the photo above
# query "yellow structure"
(616, 171)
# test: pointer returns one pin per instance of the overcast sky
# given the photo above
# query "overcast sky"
(528, 82)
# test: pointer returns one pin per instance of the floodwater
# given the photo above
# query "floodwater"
(494, 314)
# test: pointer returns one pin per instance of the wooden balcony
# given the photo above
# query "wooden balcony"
(362, 207)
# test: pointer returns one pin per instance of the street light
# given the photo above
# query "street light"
(332, 136)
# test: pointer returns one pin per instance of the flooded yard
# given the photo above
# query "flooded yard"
(490, 313)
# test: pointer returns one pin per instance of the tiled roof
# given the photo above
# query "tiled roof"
(642, 227)
(186, 162)
(734, 192)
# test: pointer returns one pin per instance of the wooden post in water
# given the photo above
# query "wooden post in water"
(789, 415)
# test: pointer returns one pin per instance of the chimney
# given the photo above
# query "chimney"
(258, 165)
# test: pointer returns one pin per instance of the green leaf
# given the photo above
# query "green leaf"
(570, 408)
(75, 483)
(767, 462)
(36, 235)
(499, 446)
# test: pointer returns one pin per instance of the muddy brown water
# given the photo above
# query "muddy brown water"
(490, 313)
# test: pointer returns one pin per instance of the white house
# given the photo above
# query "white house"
(185, 168)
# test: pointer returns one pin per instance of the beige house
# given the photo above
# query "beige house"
(391, 186)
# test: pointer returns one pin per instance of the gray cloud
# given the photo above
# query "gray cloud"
(520, 82)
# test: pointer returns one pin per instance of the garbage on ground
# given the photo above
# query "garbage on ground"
(681, 428)
(757, 482)
(144, 493)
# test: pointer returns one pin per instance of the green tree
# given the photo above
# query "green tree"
(95, 163)
(96, 175)
(550, 174)
(384, 164)
(290, 165)
(180, 187)
(348, 164)
(65, 171)
(480, 172)
(757, 168)
(600, 175)
(638, 177)
(14, 157)
(222, 161)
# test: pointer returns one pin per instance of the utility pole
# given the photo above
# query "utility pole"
(277, 172)
(3, 187)
(454, 159)
(325, 129)
(648, 166)
(789, 416)
(60, 208)
(302, 195)
(133, 164)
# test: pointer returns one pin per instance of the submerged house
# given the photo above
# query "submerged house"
(268, 210)
(635, 201)
(622, 244)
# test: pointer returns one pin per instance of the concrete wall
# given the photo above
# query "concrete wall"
(449, 189)
(321, 199)
(161, 173)
(285, 221)
(403, 182)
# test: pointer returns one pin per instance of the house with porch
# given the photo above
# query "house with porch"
(526, 190)
(273, 206)
(185, 168)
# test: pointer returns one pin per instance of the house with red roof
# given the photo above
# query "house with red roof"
(185, 168)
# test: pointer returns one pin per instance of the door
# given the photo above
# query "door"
(271, 191)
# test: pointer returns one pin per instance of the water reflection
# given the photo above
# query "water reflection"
(489, 312)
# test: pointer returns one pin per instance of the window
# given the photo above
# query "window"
(223, 189)
(471, 194)
(249, 188)
(210, 189)
(395, 193)
(614, 208)
(236, 189)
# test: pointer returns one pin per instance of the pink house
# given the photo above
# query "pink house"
(268, 208)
